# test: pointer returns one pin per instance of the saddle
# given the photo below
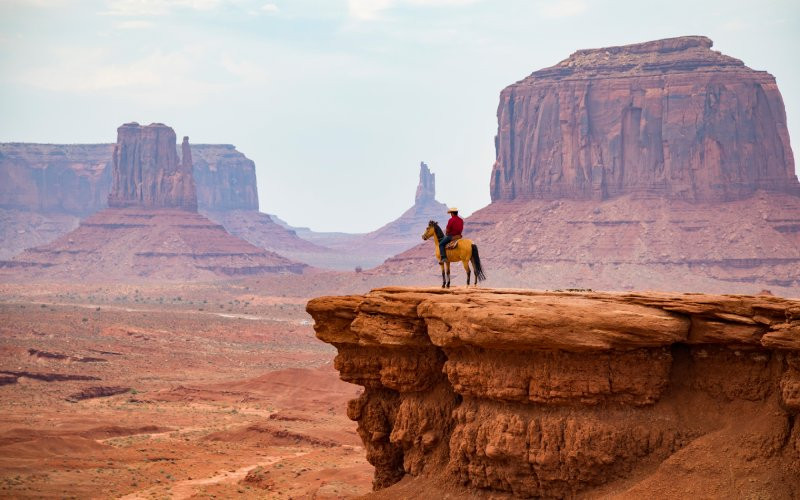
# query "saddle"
(453, 244)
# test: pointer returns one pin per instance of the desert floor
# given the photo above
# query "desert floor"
(173, 391)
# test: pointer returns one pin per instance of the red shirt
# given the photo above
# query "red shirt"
(454, 226)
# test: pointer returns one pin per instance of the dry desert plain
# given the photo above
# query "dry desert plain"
(175, 391)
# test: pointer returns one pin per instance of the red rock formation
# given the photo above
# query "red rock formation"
(426, 190)
(46, 188)
(147, 172)
(76, 178)
(487, 393)
(669, 117)
(225, 178)
(152, 229)
(54, 178)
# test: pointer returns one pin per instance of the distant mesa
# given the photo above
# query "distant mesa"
(151, 228)
(46, 189)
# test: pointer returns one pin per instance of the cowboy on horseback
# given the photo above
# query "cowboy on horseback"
(455, 226)
(462, 249)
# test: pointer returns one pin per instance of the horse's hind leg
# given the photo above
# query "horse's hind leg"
(448, 274)
(466, 268)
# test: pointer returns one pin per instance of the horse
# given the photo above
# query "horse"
(466, 252)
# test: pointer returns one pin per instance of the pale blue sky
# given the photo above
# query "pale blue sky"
(336, 101)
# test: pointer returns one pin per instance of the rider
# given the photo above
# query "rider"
(454, 228)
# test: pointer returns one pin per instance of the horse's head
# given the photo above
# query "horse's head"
(433, 229)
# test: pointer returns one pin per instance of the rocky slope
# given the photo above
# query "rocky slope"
(494, 393)
(152, 229)
(628, 243)
(661, 165)
(669, 117)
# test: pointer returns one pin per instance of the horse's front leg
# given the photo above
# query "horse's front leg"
(444, 282)
(448, 274)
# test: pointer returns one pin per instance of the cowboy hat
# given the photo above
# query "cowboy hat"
(451, 210)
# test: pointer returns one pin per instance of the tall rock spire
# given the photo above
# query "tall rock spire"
(426, 190)
(146, 171)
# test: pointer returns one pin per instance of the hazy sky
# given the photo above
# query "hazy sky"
(337, 101)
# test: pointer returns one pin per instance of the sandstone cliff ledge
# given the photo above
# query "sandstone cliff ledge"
(554, 394)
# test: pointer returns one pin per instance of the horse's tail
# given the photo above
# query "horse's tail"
(476, 264)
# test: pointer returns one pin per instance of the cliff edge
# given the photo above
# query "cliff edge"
(481, 392)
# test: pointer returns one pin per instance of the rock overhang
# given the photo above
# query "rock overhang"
(551, 394)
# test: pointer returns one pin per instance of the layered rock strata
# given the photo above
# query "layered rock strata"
(131, 243)
(669, 117)
(152, 229)
(225, 178)
(68, 179)
(45, 189)
(547, 394)
(76, 178)
(147, 171)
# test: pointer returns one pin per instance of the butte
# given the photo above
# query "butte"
(151, 228)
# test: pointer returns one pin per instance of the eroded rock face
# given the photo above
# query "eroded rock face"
(76, 178)
(55, 178)
(426, 190)
(550, 394)
(669, 117)
(151, 230)
(225, 178)
(147, 172)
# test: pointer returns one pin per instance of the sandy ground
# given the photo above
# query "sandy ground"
(221, 391)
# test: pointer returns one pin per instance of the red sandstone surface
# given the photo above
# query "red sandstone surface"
(516, 393)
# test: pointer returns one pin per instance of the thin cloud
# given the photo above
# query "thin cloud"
(554, 9)
(134, 24)
(369, 10)
(270, 8)
(137, 8)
